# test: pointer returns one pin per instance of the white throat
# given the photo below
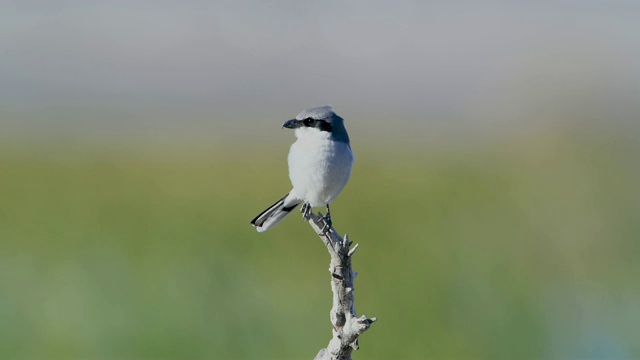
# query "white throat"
(305, 133)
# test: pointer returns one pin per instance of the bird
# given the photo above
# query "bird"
(320, 163)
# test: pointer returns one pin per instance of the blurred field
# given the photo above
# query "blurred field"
(515, 250)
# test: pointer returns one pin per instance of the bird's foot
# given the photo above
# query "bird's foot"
(326, 223)
(306, 211)
(327, 219)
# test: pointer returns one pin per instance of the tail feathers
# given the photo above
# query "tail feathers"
(274, 214)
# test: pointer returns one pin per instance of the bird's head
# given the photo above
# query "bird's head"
(319, 121)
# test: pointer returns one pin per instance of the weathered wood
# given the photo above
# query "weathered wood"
(347, 326)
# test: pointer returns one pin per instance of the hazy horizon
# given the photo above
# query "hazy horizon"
(164, 68)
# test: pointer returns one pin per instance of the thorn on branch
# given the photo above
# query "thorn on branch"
(365, 322)
(352, 250)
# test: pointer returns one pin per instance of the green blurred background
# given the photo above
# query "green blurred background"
(495, 191)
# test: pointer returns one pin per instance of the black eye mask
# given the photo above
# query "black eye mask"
(321, 125)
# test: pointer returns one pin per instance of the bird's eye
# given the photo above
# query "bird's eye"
(308, 121)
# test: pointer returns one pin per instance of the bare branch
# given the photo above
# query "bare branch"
(347, 326)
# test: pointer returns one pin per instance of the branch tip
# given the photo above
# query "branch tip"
(365, 320)
(352, 250)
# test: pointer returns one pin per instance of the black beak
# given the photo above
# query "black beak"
(292, 124)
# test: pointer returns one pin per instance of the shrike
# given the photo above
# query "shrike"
(320, 164)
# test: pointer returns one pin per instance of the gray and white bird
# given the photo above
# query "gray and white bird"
(320, 164)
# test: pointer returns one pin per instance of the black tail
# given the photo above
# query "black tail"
(273, 215)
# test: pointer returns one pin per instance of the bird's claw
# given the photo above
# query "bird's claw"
(326, 223)
(327, 219)
(306, 211)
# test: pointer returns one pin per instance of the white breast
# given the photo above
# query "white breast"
(319, 167)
